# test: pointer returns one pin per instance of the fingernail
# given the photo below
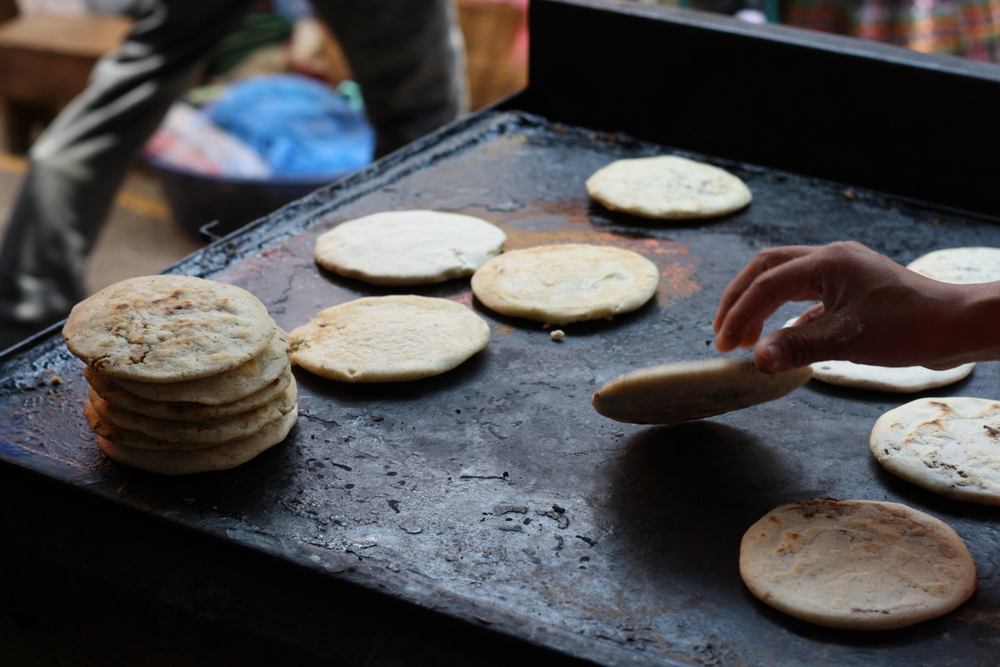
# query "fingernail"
(773, 353)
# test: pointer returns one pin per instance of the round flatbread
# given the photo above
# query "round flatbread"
(186, 462)
(565, 283)
(856, 564)
(142, 432)
(388, 339)
(168, 328)
(185, 411)
(901, 380)
(668, 187)
(960, 265)
(409, 247)
(226, 387)
(947, 445)
(693, 390)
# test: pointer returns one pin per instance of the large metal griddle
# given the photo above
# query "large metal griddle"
(489, 515)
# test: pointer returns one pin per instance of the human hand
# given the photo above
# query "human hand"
(872, 310)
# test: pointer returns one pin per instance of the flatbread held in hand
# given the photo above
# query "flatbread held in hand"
(692, 390)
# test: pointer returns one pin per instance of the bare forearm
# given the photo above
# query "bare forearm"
(971, 329)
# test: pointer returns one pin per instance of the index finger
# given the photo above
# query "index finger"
(764, 261)
(791, 280)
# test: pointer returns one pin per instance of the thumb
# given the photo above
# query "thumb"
(791, 347)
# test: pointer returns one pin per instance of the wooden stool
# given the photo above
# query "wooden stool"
(45, 61)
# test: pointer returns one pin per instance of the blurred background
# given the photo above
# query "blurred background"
(195, 171)
(202, 167)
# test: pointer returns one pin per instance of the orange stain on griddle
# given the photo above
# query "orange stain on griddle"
(464, 298)
(675, 282)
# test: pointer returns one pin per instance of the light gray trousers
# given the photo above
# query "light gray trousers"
(406, 55)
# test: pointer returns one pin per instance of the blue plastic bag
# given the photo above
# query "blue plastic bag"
(301, 127)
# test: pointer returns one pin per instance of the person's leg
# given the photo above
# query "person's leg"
(79, 162)
(408, 56)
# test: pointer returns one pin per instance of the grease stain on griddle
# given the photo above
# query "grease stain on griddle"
(509, 145)
(464, 298)
(574, 211)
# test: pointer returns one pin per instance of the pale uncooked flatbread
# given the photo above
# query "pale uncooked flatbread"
(856, 564)
(185, 411)
(220, 457)
(168, 328)
(901, 380)
(388, 339)
(409, 247)
(960, 265)
(142, 432)
(947, 445)
(232, 385)
(565, 283)
(905, 379)
(668, 187)
(693, 390)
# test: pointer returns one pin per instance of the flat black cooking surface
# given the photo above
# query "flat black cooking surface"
(494, 493)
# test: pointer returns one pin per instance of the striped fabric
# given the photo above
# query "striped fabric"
(969, 28)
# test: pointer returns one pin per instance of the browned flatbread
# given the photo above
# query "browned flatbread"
(220, 457)
(167, 328)
(225, 387)
(856, 564)
(142, 432)
(186, 411)
(949, 445)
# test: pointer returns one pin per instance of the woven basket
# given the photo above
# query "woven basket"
(490, 30)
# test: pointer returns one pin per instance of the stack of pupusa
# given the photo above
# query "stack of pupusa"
(186, 375)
